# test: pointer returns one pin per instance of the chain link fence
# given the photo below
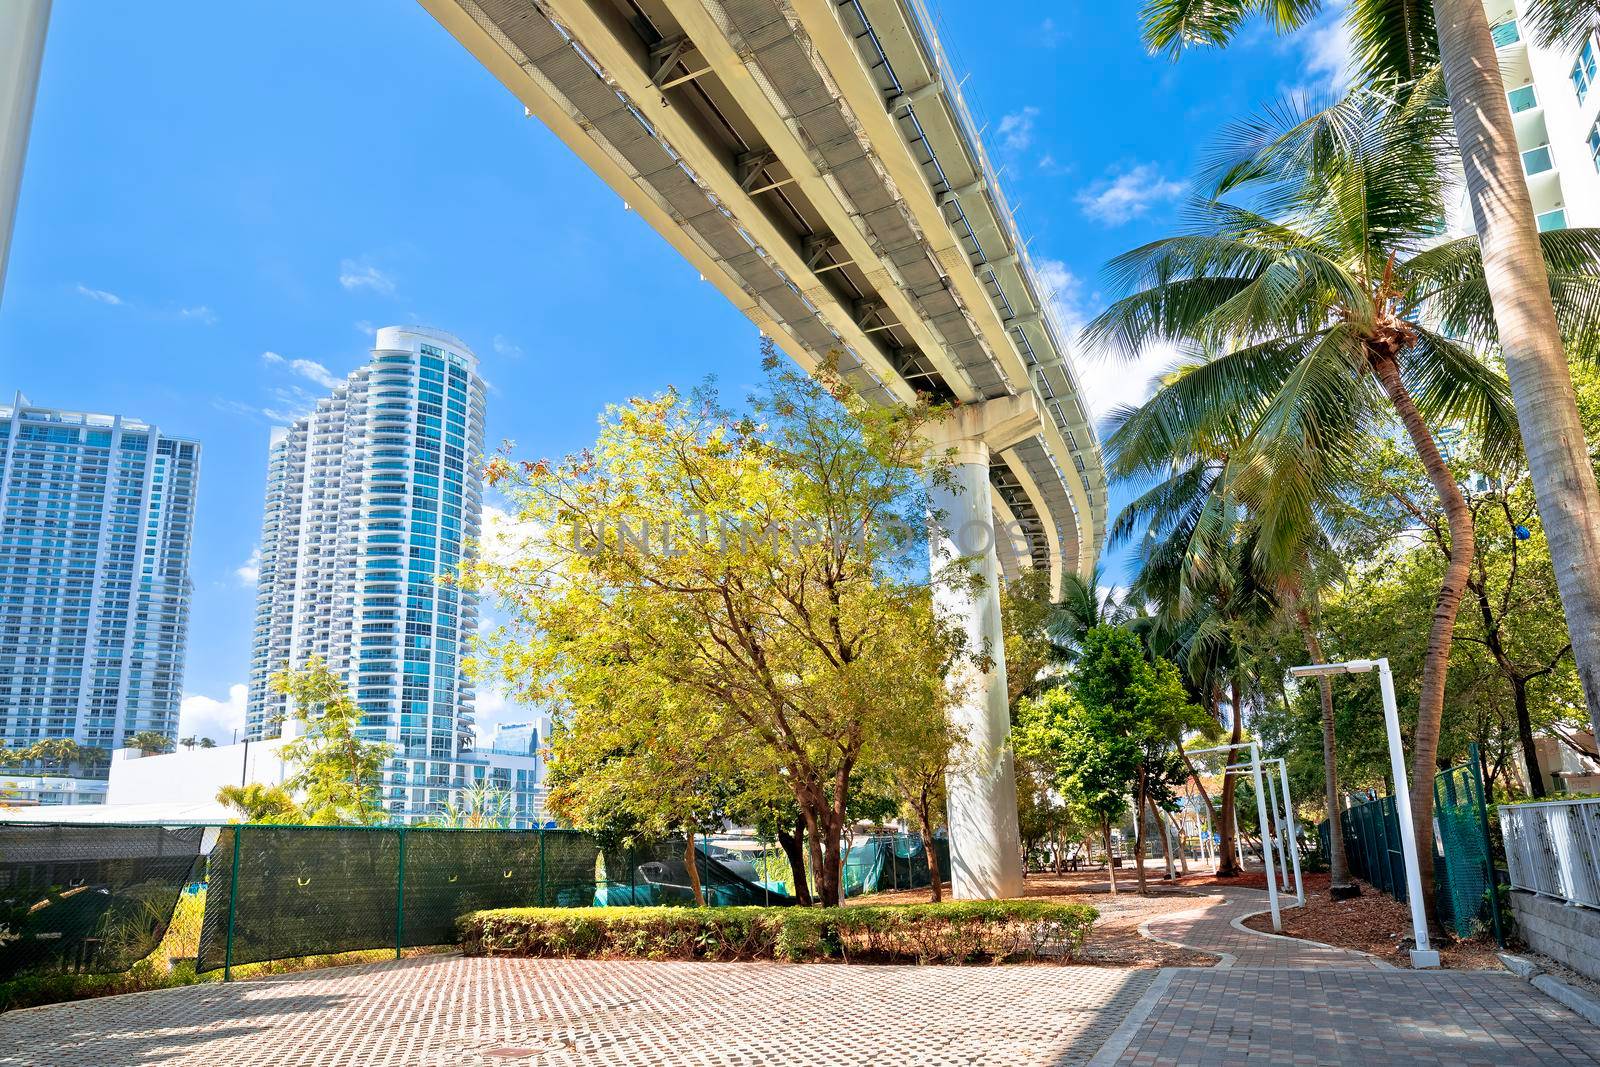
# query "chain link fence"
(1464, 879)
(90, 899)
(98, 898)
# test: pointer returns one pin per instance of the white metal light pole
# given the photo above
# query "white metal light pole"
(22, 31)
(1261, 821)
(1293, 831)
(1423, 955)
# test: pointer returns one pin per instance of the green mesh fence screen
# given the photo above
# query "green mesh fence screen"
(1462, 873)
(279, 891)
(89, 899)
(312, 890)
(450, 872)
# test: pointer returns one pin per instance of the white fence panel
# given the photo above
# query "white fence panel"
(1553, 848)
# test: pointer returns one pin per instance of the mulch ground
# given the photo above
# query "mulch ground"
(1373, 922)
(1115, 940)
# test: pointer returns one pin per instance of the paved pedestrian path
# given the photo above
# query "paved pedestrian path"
(1349, 1017)
(1215, 925)
(446, 1010)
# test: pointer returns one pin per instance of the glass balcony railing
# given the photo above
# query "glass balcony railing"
(1505, 33)
(1552, 220)
(1537, 161)
(1523, 99)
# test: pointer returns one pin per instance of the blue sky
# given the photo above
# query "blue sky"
(210, 183)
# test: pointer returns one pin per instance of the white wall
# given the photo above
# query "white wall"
(194, 776)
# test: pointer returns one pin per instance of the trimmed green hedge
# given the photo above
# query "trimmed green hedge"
(957, 932)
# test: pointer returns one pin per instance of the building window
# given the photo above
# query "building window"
(1583, 71)
(1505, 33)
(1552, 220)
(1537, 160)
(1594, 144)
(1523, 99)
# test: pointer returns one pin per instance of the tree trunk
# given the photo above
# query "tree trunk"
(1183, 848)
(819, 867)
(1530, 755)
(1228, 864)
(1166, 836)
(935, 875)
(793, 845)
(1138, 836)
(1111, 868)
(1340, 887)
(1436, 660)
(691, 865)
(1541, 382)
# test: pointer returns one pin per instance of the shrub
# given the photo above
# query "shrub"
(957, 932)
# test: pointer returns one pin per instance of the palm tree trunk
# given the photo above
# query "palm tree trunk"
(1436, 660)
(1339, 885)
(1228, 863)
(1541, 383)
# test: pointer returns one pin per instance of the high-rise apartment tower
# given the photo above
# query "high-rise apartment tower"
(96, 526)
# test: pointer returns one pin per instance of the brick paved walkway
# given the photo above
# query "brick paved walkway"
(445, 1010)
(1210, 928)
(1349, 1016)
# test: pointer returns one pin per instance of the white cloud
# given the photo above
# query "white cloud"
(199, 313)
(1328, 50)
(1050, 33)
(504, 346)
(250, 570)
(1125, 196)
(309, 369)
(360, 274)
(1016, 129)
(1109, 381)
(220, 720)
(366, 327)
(100, 295)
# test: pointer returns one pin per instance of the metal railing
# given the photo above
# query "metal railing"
(1553, 848)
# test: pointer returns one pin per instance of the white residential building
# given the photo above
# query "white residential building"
(1555, 103)
(371, 498)
(96, 526)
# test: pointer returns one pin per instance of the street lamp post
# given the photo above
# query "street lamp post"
(1261, 821)
(1423, 955)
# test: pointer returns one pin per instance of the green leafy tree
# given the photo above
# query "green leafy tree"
(1311, 313)
(746, 564)
(1090, 761)
(1526, 284)
(337, 772)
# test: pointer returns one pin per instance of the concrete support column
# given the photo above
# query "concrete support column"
(22, 29)
(985, 847)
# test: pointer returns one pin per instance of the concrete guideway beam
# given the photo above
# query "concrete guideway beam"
(711, 38)
(837, 49)
(985, 845)
(624, 57)
(553, 113)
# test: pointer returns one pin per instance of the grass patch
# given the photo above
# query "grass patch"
(988, 931)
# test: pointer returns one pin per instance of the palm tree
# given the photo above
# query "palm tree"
(1561, 23)
(1399, 40)
(149, 741)
(1082, 606)
(1197, 503)
(1313, 307)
